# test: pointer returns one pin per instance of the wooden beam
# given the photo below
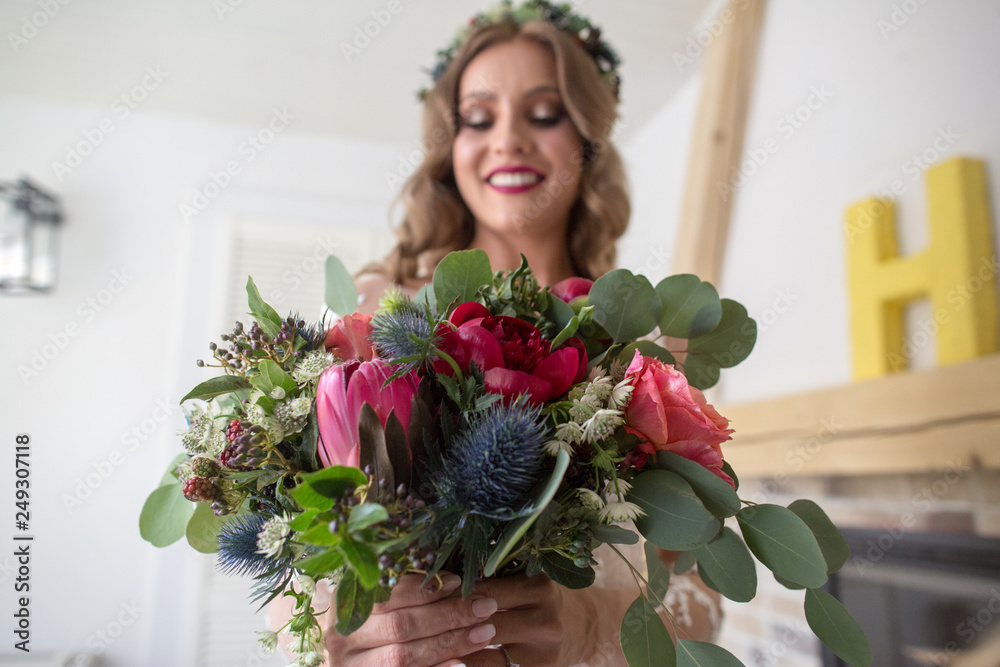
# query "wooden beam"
(717, 145)
(909, 422)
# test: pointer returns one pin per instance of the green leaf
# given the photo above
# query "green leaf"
(566, 332)
(341, 294)
(561, 570)
(324, 563)
(836, 628)
(560, 312)
(366, 514)
(276, 376)
(701, 372)
(362, 560)
(657, 574)
(699, 654)
(685, 561)
(783, 542)
(460, 275)
(224, 384)
(302, 521)
(353, 604)
(334, 481)
(647, 349)
(611, 534)
(308, 498)
(319, 534)
(203, 528)
(831, 542)
(790, 585)
(425, 295)
(645, 640)
(165, 515)
(266, 317)
(625, 304)
(729, 565)
(691, 307)
(718, 497)
(516, 529)
(675, 519)
(728, 469)
(730, 342)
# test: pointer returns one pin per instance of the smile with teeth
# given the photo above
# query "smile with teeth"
(514, 179)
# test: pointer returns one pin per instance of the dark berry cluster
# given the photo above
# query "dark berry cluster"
(201, 490)
(248, 347)
(246, 446)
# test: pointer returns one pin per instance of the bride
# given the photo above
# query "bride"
(519, 160)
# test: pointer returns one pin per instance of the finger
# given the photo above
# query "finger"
(412, 623)
(516, 591)
(433, 650)
(409, 592)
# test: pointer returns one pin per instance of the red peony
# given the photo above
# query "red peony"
(669, 415)
(512, 354)
(571, 288)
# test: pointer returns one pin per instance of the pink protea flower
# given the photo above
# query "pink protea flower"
(342, 390)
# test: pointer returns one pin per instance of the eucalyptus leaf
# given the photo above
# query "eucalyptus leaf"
(165, 515)
(560, 312)
(728, 469)
(657, 574)
(783, 543)
(701, 372)
(699, 654)
(266, 317)
(425, 296)
(612, 534)
(625, 305)
(203, 528)
(674, 519)
(564, 572)
(516, 529)
(831, 542)
(836, 628)
(644, 639)
(731, 341)
(169, 476)
(223, 384)
(691, 308)
(341, 294)
(459, 275)
(685, 561)
(719, 498)
(729, 565)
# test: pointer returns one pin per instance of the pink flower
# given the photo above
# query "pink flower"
(669, 415)
(571, 288)
(348, 338)
(342, 390)
(512, 354)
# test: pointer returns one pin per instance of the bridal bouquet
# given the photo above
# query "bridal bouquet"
(486, 427)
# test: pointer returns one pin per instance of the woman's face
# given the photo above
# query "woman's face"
(517, 155)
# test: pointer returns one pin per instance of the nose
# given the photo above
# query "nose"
(511, 135)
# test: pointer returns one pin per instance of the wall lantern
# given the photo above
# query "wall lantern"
(29, 230)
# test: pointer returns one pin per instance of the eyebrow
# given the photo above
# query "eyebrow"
(487, 95)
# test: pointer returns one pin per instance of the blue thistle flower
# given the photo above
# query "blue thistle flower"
(403, 333)
(493, 462)
(238, 547)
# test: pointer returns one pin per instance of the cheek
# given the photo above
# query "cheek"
(564, 151)
(465, 157)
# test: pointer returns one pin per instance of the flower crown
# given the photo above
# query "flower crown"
(561, 16)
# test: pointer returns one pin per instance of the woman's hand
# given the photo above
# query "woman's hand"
(540, 623)
(417, 628)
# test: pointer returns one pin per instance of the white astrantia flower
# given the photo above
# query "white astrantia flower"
(268, 639)
(584, 408)
(599, 389)
(617, 487)
(272, 535)
(620, 510)
(621, 395)
(300, 406)
(307, 584)
(602, 425)
(569, 432)
(553, 447)
(278, 393)
(311, 366)
(618, 368)
(590, 499)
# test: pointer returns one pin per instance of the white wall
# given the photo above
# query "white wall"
(122, 214)
(888, 94)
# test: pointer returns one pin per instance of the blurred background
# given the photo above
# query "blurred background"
(191, 143)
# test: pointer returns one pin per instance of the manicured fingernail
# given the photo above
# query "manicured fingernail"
(484, 608)
(450, 582)
(482, 633)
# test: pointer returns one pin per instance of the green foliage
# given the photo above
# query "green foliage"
(341, 293)
(831, 542)
(460, 275)
(645, 640)
(836, 628)
(647, 349)
(728, 564)
(165, 515)
(564, 572)
(691, 308)
(723, 347)
(203, 529)
(699, 654)
(625, 304)
(267, 318)
(353, 604)
(718, 497)
(783, 543)
(224, 384)
(675, 519)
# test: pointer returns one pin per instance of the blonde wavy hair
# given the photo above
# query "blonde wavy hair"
(437, 220)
